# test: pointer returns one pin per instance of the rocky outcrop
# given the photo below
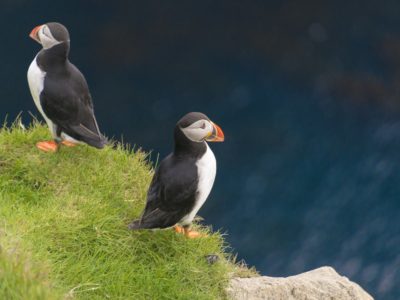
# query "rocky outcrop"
(319, 284)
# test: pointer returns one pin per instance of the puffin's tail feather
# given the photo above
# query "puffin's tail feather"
(91, 138)
(135, 225)
(156, 219)
(99, 144)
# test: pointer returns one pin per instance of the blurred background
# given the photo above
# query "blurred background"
(307, 93)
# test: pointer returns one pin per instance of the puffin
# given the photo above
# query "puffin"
(60, 92)
(184, 179)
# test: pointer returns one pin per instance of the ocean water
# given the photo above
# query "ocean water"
(306, 93)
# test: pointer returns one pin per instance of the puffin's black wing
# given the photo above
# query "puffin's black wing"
(171, 196)
(66, 100)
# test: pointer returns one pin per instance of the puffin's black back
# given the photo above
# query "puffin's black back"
(172, 194)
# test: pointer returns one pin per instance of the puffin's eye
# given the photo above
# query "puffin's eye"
(203, 125)
(44, 32)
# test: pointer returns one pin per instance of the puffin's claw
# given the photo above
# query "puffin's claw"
(69, 144)
(178, 229)
(191, 234)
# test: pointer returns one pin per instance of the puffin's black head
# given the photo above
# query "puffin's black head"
(197, 127)
(50, 34)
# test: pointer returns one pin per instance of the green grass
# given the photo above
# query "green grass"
(63, 228)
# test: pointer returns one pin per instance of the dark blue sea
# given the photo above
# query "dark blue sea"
(308, 96)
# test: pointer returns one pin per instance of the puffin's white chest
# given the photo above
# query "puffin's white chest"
(206, 171)
(36, 83)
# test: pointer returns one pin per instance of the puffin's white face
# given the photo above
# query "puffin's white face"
(46, 38)
(203, 130)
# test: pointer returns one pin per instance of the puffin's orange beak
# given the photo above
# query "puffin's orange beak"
(217, 134)
(34, 33)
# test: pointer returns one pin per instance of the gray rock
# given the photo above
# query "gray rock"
(319, 284)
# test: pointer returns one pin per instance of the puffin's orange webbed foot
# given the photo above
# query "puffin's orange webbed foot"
(191, 234)
(47, 146)
(69, 144)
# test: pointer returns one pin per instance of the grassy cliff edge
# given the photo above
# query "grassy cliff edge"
(63, 228)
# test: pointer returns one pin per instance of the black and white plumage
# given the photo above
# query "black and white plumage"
(184, 179)
(60, 91)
